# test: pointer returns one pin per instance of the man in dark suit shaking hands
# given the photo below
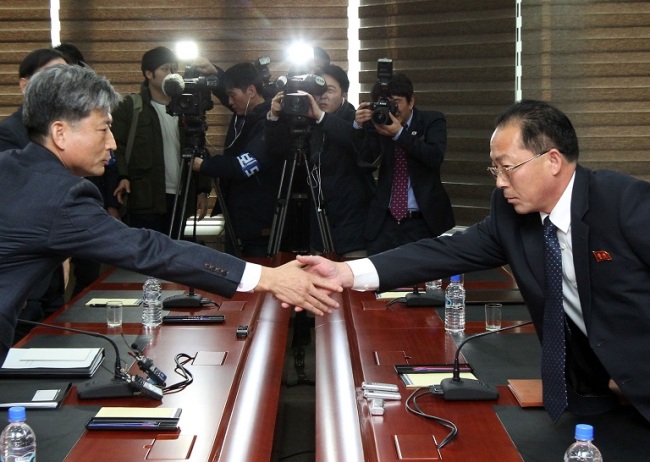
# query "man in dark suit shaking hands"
(578, 244)
(49, 212)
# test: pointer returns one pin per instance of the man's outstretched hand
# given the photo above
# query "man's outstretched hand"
(294, 286)
(336, 272)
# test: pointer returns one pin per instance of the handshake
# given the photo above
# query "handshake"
(307, 283)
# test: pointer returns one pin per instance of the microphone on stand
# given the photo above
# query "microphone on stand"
(457, 389)
(120, 386)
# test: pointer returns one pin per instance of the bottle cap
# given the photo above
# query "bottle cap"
(16, 414)
(584, 432)
(455, 278)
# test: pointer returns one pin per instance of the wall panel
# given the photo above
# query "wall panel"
(592, 60)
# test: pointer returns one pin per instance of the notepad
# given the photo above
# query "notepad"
(431, 378)
(527, 391)
(135, 418)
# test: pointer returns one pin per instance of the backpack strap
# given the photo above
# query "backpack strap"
(137, 109)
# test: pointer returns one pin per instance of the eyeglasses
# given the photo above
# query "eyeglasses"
(496, 171)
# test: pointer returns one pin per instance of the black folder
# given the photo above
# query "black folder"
(33, 394)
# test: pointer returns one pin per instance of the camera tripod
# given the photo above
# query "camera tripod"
(194, 128)
(300, 132)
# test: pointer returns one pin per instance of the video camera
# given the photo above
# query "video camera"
(383, 106)
(295, 103)
(190, 96)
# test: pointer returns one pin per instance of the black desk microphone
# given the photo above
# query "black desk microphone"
(120, 386)
(457, 389)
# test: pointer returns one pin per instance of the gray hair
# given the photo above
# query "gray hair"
(64, 92)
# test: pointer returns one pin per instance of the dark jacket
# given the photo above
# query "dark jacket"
(610, 212)
(13, 134)
(49, 214)
(249, 178)
(425, 142)
(347, 188)
(146, 167)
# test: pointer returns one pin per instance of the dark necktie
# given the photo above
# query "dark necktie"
(400, 187)
(553, 346)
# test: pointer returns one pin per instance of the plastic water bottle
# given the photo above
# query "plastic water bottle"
(583, 450)
(151, 303)
(455, 305)
(18, 438)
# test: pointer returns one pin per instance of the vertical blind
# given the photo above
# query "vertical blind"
(461, 59)
(591, 59)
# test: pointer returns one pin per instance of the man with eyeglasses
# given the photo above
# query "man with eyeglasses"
(578, 243)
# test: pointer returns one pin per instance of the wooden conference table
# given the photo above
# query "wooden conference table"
(364, 341)
(228, 412)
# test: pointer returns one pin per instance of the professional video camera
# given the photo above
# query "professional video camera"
(295, 103)
(383, 106)
(190, 97)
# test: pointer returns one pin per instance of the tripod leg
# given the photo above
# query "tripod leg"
(280, 215)
(321, 214)
(230, 231)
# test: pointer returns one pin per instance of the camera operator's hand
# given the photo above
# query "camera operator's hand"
(389, 130)
(276, 105)
(196, 164)
(123, 188)
(315, 112)
(363, 114)
(204, 66)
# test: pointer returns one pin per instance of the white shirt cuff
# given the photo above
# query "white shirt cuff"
(365, 274)
(271, 117)
(250, 278)
(322, 116)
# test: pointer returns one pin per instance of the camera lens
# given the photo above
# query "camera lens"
(380, 116)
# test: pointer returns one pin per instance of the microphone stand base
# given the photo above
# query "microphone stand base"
(467, 390)
(101, 388)
(425, 299)
(183, 301)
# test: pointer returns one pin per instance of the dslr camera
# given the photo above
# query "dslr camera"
(383, 106)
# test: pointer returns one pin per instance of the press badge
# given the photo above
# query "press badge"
(249, 164)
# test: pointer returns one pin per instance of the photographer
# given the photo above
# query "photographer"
(408, 149)
(249, 179)
(338, 184)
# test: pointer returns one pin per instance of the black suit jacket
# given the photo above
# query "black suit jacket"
(13, 134)
(425, 142)
(250, 198)
(48, 214)
(610, 212)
